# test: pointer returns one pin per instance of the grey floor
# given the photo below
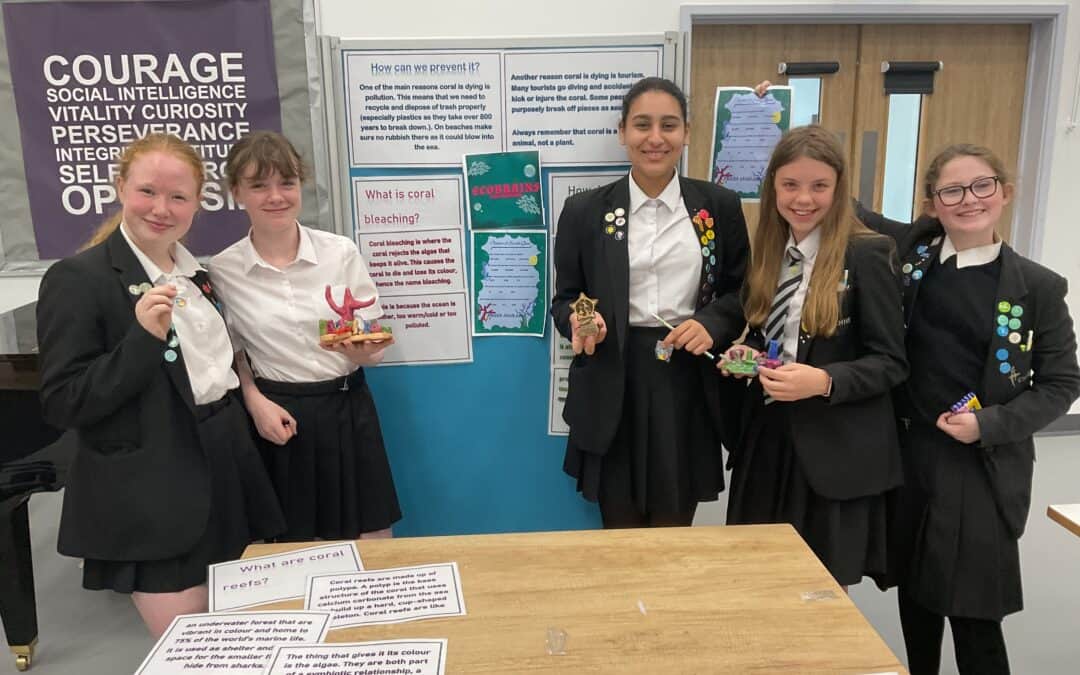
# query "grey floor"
(88, 633)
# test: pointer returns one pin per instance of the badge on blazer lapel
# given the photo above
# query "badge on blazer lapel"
(1008, 335)
(914, 269)
(705, 225)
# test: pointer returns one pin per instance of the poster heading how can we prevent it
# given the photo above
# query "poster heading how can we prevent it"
(90, 78)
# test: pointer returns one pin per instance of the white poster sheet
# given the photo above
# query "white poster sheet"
(238, 584)
(226, 644)
(564, 184)
(428, 329)
(383, 657)
(388, 596)
(408, 203)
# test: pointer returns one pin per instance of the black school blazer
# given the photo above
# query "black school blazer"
(139, 488)
(589, 259)
(1044, 381)
(847, 444)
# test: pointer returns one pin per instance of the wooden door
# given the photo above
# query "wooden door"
(730, 54)
(978, 94)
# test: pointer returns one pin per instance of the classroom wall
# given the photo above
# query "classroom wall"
(1042, 638)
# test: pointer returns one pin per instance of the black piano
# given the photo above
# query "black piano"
(30, 461)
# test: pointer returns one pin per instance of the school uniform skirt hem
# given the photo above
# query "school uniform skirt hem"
(769, 485)
(333, 478)
(665, 457)
(243, 509)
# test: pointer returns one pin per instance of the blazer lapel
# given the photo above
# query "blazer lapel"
(617, 255)
(132, 276)
(701, 222)
(920, 254)
(1002, 376)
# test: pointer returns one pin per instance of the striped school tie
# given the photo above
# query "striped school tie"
(785, 291)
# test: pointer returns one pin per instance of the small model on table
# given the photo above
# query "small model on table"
(347, 327)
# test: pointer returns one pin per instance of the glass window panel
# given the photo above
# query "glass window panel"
(901, 151)
(805, 100)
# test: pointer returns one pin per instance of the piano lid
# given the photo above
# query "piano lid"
(18, 349)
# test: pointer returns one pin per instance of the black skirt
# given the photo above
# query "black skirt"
(666, 454)
(769, 485)
(333, 478)
(951, 550)
(243, 509)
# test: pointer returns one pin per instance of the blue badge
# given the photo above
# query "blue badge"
(1005, 368)
(170, 355)
(1002, 331)
(1002, 354)
(1003, 320)
(916, 275)
(712, 260)
(921, 249)
(174, 342)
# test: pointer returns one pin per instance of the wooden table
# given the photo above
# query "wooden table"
(1067, 515)
(666, 600)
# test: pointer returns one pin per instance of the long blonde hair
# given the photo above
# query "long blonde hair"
(821, 309)
(156, 142)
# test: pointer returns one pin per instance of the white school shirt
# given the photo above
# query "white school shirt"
(274, 313)
(809, 248)
(980, 255)
(665, 256)
(204, 340)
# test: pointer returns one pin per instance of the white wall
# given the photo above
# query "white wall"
(1042, 639)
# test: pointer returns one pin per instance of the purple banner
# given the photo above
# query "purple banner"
(90, 77)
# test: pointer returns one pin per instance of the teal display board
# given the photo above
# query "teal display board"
(469, 444)
(467, 420)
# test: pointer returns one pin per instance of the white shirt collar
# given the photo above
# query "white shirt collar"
(305, 251)
(670, 196)
(808, 246)
(185, 264)
(969, 257)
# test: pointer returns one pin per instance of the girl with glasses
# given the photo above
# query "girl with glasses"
(984, 324)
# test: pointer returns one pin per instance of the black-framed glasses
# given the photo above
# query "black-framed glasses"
(981, 188)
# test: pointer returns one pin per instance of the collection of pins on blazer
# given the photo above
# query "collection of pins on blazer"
(614, 221)
(707, 238)
(1008, 327)
(173, 341)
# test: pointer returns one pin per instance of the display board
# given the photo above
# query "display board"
(475, 436)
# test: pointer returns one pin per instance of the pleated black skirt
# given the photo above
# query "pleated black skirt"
(243, 509)
(769, 485)
(951, 550)
(666, 454)
(333, 478)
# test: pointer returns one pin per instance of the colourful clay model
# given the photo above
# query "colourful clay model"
(347, 327)
(969, 402)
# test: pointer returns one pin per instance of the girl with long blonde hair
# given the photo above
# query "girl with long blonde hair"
(819, 447)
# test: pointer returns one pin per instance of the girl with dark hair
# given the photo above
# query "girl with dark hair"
(820, 448)
(309, 399)
(654, 249)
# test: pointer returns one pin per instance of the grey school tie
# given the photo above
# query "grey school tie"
(785, 291)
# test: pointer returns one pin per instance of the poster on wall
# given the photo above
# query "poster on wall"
(504, 190)
(91, 77)
(510, 282)
(448, 145)
(746, 129)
